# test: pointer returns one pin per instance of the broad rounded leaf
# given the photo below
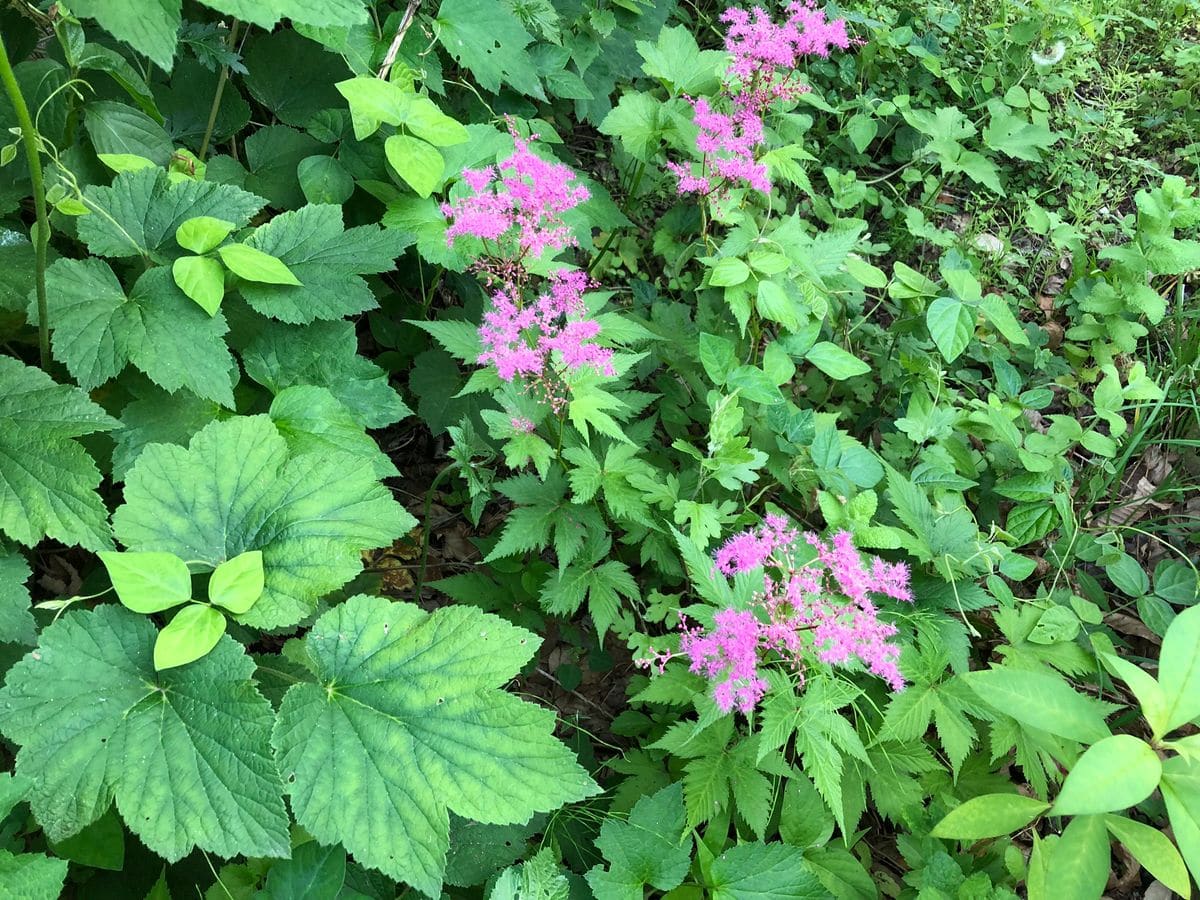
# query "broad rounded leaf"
(1078, 864)
(426, 121)
(408, 717)
(760, 871)
(149, 26)
(1115, 773)
(193, 632)
(728, 272)
(1181, 792)
(327, 259)
(951, 324)
(202, 279)
(47, 480)
(1179, 668)
(836, 362)
(252, 264)
(237, 488)
(184, 753)
(324, 179)
(312, 420)
(202, 233)
(988, 816)
(237, 583)
(148, 582)
(416, 161)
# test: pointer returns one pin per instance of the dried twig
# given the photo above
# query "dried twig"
(409, 14)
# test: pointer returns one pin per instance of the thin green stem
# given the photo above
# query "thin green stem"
(420, 580)
(42, 238)
(216, 102)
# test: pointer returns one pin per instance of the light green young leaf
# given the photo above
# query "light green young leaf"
(1154, 851)
(416, 161)
(237, 487)
(999, 314)
(1113, 774)
(951, 325)
(148, 582)
(1181, 792)
(202, 279)
(1041, 700)
(98, 330)
(1078, 865)
(237, 583)
(251, 264)
(327, 259)
(728, 272)
(988, 816)
(836, 362)
(52, 491)
(1149, 693)
(410, 703)
(373, 102)
(189, 636)
(426, 121)
(185, 752)
(1179, 669)
(202, 233)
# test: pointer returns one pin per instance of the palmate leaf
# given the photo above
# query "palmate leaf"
(327, 259)
(184, 752)
(237, 487)
(47, 480)
(486, 38)
(647, 849)
(407, 717)
(98, 330)
(143, 209)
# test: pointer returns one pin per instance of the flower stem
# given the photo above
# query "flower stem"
(42, 238)
(216, 102)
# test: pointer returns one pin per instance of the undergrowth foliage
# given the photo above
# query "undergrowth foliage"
(562, 448)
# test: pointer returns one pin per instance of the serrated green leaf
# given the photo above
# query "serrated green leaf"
(315, 872)
(648, 849)
(98, 330)
(1041, 700)
(31, 876)
(416, 161)
(409, 702)
(268, 13)
(47, 480)
(184, 753)
(728, 272)
(486, 38)
(312, 420)
(237, 487)
(237, 583)
(148, 582)
(149, 26)
(202, 279)
(17, 625)
(760, 871)
(328, 261)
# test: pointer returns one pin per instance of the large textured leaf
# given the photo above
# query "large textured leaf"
(324, 354)
(31, 876)
(408, 719)
(485, 37)
(98, 330)
(646, 850)
(146, 209)
(16, 620)
(312, 420)
(47, 481)
(267, 13)
(327, 259)
(149, 26)
(237, 487)
(764, 872)
(184, 752)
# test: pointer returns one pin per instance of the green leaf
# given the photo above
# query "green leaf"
(148, 582)
(407, 710)
(988, 816)
(426, 121)
(951, 325)
(416, 161)
(1114, 773)
(294, 94)
(190, 635)
(119, 129)
(202, 279)
(728, 272)
(637, 121)
(328, 261)
(1181, 792)
(1149, 693)
(268, 13)
(999, 314)
(315, 872)
(1043, 701)
(373, 102)
(273, 157)
(603, 585)
(31, 876)
(717, 355)
(648, 849)
(17, 625)
(184, 753)
(760, 871)
(1078, 865)
(237, 583)
(677, 59)
(486, 38)
(312, 420)
(1153, 850)
(47, 480)
(149, 26)
(237, 488)
(147, 210)
(1179, 669)
(98, 330)
(324, 179)
(324, 354)
(100, 845)
(836, 362)
(202, 233)
(157, 417)
(252, 264)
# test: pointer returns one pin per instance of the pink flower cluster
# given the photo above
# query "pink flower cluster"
(521, 339)
(520, 207)
(525, 199)
(765, 56)
(822, 609)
